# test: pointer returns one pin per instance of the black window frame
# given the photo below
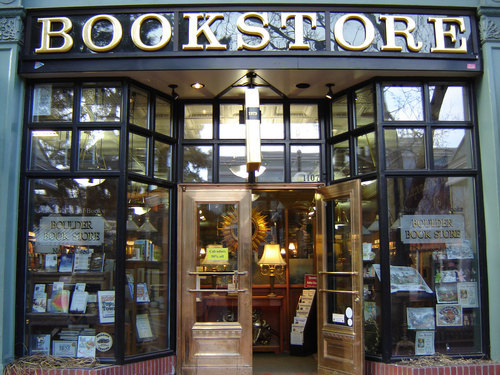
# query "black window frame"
(123, 177)
(382, 174)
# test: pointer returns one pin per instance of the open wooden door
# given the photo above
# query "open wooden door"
(340, 279)
(214, 285)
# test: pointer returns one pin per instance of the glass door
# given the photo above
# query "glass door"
(214, 311)
(340, 283)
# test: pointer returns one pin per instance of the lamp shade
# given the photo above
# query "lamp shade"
(131, 225)
(147, 227)
(272, 256)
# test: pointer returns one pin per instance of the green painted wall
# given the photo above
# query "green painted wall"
(488, 98)
(11, 109)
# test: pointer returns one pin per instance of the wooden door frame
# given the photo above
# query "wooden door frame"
(239, 333)
(334, 341)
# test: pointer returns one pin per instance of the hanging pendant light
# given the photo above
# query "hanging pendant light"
(147, 227)
(131, 225)
(252, 121)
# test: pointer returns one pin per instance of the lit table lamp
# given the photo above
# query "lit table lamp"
(271, 263)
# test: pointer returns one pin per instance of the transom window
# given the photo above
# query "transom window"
(214, 143)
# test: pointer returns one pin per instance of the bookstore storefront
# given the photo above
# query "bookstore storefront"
(149, 208)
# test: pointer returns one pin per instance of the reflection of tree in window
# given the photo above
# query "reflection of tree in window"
(197, 164)
(448, 103)
(101, 104)
(403, 103)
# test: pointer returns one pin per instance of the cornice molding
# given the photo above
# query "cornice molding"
(11, 29)
(489, 29)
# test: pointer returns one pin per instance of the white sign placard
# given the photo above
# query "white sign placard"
(338, 318)
(432, 228)
(70, 230)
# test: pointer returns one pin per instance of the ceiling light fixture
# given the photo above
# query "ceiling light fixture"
(252, 122)
(173, 86)
(329, 94)
(303, 85)
(197, 85)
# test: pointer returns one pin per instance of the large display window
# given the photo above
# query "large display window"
(95, 263)
(71, 265)
(422, 251)
(434, 266)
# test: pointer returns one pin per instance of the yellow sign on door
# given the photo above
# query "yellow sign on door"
(217, 255)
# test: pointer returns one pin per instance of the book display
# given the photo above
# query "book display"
(64, 281)
(145, 276)
(438, 294)
(303, 330)
(70, 303)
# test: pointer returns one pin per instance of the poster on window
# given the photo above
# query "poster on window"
(405, 279)
(449, 315)
(424, 343)
(420, 318)
(467, 294)
(446, 293)
(42, 100)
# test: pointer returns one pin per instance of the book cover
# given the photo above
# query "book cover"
(96, 262)
(66, 264)
(141, 249)
(64, 348)
(143, 327)
(86, 347)
(130, 282)
(39, 288)
(51, 262)
(142, 293)
(81, 262)
(39, 302)
(157, 254)
(57, 285)
(40, 344)
(59, 301)
(79, 302)
(80, 287)
(106, 303)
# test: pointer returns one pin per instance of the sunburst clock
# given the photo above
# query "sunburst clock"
(229, 230)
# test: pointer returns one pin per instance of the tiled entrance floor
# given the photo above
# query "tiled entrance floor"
(271, 364)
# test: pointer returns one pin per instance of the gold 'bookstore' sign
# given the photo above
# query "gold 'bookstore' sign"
(254, 32)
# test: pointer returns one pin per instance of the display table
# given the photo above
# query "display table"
(270, 306)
